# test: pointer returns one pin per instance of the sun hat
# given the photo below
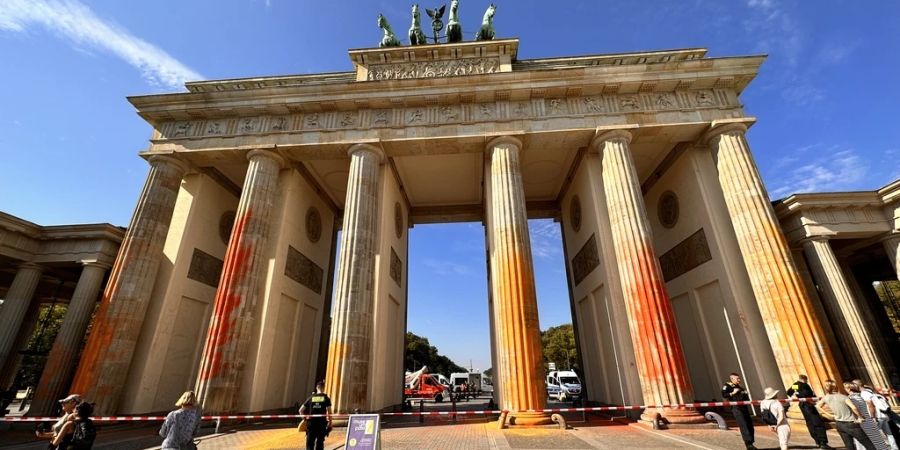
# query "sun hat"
(770, 393)
(71, 398)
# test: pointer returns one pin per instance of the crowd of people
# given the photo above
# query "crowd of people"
(74, 430)
(863, 417)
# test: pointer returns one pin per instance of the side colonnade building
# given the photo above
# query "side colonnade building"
(679, 271)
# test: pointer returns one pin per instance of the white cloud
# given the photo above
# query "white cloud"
(446, 267)
(835, 170)
(77, 24)
(546, 239)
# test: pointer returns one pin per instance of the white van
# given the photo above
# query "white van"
(563, 385)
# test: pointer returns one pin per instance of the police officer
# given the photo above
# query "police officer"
(734, 392)
(800, 390)
(317, 428)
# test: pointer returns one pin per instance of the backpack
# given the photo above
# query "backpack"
(768, 418)
(84, 435)
(880, 403)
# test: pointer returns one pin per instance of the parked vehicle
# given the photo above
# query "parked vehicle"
(472, 379)
(563, 385)
(421, 384)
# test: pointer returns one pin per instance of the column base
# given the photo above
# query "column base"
(676, 418)
(528, 419)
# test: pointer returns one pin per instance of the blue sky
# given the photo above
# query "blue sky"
(827, 100)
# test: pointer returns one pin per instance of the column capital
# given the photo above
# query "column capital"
(365, 147)
(266, 153)
(95, 263)
(816, 238)
(28, 265)
(169, 159)
(889, 236)
(601, 136)
(719, 128)
(499, 140)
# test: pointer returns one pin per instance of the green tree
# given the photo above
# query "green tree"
(420, 352)
(558, 345)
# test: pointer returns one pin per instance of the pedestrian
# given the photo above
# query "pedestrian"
(68, 412)
(732, 391)
(81, 429)
(879, 410)
(774, 406)
(866, 409)
(181, 425)
(317, 427)
(847, 417)
(801, 390)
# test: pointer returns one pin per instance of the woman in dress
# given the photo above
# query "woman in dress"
(868, 424)
(181, 424)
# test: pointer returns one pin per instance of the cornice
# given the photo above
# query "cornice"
(527, 80)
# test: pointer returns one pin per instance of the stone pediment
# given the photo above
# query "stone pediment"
(434, 61)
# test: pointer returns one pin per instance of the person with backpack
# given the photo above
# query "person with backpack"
(772, 414)
(181, 425)
(880, 410)
(81, 428)
(868, 422)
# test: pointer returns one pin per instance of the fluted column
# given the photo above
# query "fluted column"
(107, 355)
(231, 327)
(796, 337)
(843, 309)
(16, 304)
(350, 346)
(892, 248)
(651, 319)
(518, 333)
(61, 362)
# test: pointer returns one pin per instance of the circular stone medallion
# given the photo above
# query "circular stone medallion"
(313, 224)
(575, 213)
(226, 223)
(398, 220)
(667, 210)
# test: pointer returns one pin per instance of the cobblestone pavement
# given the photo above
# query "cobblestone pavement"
(596, 434)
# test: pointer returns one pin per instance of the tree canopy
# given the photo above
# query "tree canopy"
(419, 352)
(558, 345)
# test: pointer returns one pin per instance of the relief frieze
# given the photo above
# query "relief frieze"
(578, 106)
(688, 254)
(433, 69)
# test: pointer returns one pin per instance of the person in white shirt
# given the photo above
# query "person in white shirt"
(773, 405)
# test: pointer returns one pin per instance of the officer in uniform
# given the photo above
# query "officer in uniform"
(800, 390)
(317, 428)
(734, 392)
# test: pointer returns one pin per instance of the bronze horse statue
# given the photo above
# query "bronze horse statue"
(389, 39)
(416, 36)
(454, 28)
(486, 33)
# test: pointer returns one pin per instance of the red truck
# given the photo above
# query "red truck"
(421, 384)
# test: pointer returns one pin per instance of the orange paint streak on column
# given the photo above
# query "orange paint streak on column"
(658, 352)
(231, 328)
(518, 346)
(106, 358)
(350, 346)
(796, 337)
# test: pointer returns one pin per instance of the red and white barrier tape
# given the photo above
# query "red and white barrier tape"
(411, 413)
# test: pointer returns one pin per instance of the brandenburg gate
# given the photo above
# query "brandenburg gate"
(678, 270)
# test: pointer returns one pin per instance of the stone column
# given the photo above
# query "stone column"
(61, 362)
(892, 248)
(231, 327)
(16, 304)
(349, 349)
(795, 335)
(843, 309)
(518, 333)
(107, 355)
(658, 353)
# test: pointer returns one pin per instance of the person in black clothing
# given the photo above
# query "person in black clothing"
(800, 390)
(317, 428)
(81, 428)
(733, 391)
